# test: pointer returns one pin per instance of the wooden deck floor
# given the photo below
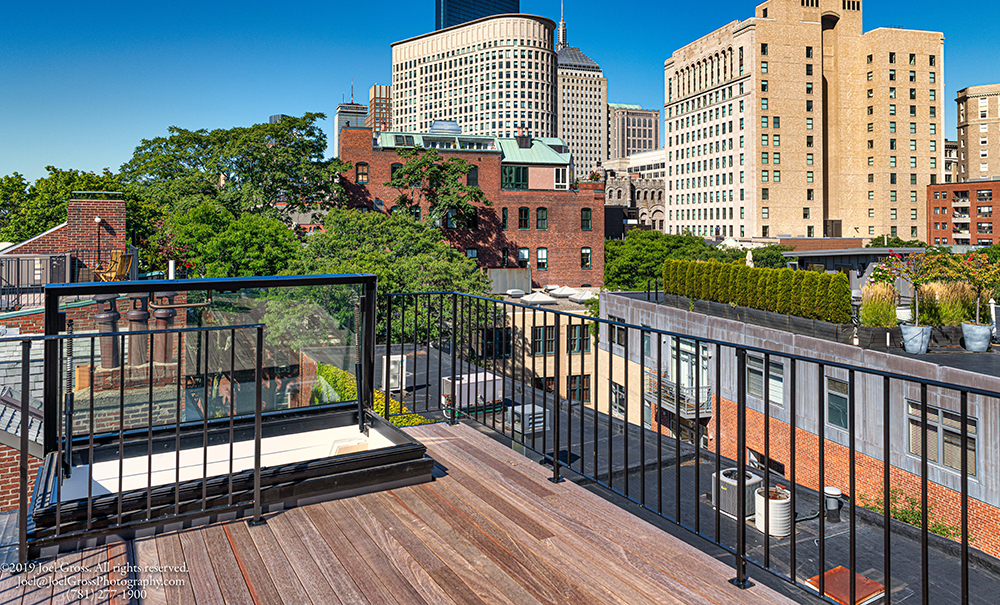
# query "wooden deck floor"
(490, 529)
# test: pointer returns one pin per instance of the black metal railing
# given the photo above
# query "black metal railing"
(203, 363)
(562, 386)
(23, 278)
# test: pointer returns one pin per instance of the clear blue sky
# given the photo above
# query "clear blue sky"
(84, 82)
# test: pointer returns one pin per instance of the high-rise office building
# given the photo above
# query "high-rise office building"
(796, 122)
(582, 105)
(632, 129)
(494, 76)
(379, 108)
(456, 12)
(978, 132)
(348, 114)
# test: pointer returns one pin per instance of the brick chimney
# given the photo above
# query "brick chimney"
(82, 226)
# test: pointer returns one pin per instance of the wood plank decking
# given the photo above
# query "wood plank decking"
(490, 529)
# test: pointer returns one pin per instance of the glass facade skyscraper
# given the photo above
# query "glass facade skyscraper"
(455, 12)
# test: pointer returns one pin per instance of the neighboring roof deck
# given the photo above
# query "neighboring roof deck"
(490, 529)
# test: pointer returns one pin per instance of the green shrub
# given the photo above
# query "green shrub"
(807, 300)
(878, 305)
(741, 284)
(726, 275)
(773, 289)
(343, 383)
(675, 276)
(839, 308)
(946, 303)
(666, 276)
(692, 280)
(707, 271)
(753, 287)
(909, 509)
(822, 297)
(680, 278)
(795, 301)
(784, 302)
(722, 283)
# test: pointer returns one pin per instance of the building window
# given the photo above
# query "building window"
(755, 379)
(522, 258)
(543, 340)
(619, 334)
(586, 219)
(562, 178)
(578, 387)
(585, 258)
(578, 339)
(837, 412)
(472, 177)
(361, 173)
(542, 255)
(944, 436)
(523, 218)
(545, 384)
(764, 212)
(514, 177)
(503, 218)
(472, 253)
(542, 218)
(618, 400)
(392, 169)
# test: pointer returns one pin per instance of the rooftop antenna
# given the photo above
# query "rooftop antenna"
(352, 91)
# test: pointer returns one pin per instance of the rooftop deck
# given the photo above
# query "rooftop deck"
(490, 529)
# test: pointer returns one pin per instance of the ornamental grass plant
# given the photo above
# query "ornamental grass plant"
(947, 303)
(878, 305)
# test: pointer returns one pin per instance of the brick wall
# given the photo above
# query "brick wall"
(563, 238)
(10, 481)
(946, 504)
(803, 244)
(80, 231)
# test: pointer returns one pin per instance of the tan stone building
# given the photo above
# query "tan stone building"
(582, 105)
(632, 129)
(950, 161)
(494, 76)
(379, 117)
(796, 122)
(978, 132)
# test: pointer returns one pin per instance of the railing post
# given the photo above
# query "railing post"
(22, 529)
(368, 349)
(258, 400)
(452, 412)
(556, 423)
(741, 580)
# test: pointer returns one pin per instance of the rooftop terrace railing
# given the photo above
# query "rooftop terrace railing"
(170, 369)
(574, 392)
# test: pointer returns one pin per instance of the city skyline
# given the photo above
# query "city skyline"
(86, 102)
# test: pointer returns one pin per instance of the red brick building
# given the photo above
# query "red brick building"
(962, 213)
(80, 231)
(536, 220)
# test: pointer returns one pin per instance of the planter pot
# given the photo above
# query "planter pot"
(916, 339)
(946, 336)
(977, 338)
(904, 313)
(779, 517)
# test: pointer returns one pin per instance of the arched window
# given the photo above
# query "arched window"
(619, 194)
(392, 169)
(361, 173)
(586, 219)
(659, 196)
(542, 218)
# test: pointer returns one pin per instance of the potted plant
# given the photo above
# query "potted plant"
(976, 270)
(915, 269)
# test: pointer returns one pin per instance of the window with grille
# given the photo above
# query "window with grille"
(617, 332)
(944, 436)
(578, 339)
(578, 387)
(543, 340)
(755, 379)
(523, 218)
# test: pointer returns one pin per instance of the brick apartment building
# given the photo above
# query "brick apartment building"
(962, 213)
(537, 219)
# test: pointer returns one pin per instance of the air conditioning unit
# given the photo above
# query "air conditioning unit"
(724, 491)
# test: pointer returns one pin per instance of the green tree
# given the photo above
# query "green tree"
(892, 241)
(784, 297)
(443, 184)
(795, 301)
(693, 289)
(840, 308)
(251, 245)
(741, 281)
(724, 281)
(752, 288)
(43, 205)
(184, 236)
(822, 310)
(808, 302)
(273, 169)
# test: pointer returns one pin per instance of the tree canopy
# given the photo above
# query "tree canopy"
(444, 184)
(892, 241)
(632, 262)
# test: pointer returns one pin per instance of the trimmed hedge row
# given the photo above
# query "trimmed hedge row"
(346, 388)
(823, 296)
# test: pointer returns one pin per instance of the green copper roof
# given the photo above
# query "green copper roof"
(624, 106)
(543, 150)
